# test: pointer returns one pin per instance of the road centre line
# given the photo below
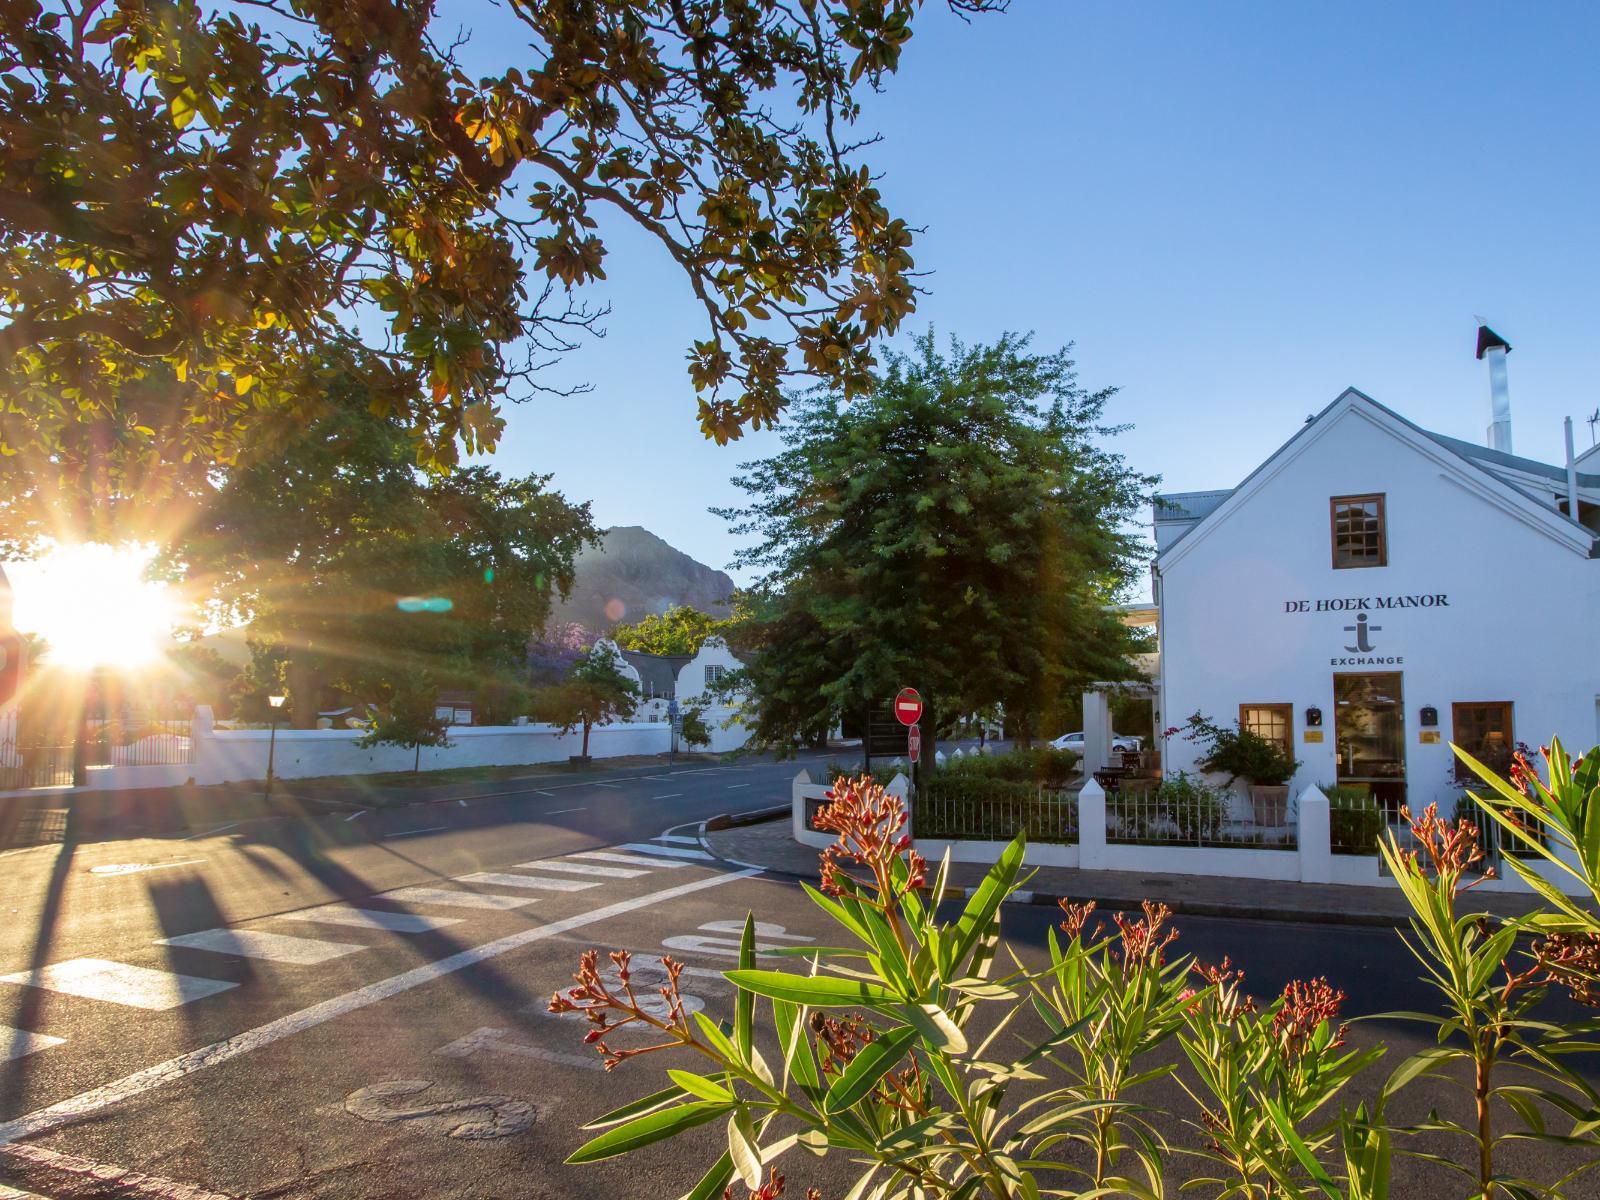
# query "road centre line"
(98, 1099)
(414, 832)
(209, 832)
(731, 786)
(559, 811)
(354, 815)
(667, 796)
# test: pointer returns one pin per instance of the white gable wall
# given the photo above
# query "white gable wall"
(1520, 620)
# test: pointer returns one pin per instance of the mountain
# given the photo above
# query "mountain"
(632, 573)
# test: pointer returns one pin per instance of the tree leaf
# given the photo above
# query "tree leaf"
(647, 1130)
(875, 1060)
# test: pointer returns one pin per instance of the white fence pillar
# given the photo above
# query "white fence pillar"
(1092, 826)
(1096, 732)
(1315, 837)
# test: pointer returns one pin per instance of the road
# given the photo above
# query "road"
(353, 1007)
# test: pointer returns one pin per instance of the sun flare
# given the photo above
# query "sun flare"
(94, 607)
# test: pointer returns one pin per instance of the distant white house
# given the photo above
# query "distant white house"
(663, 679)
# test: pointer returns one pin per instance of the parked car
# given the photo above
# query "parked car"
(1119, 742)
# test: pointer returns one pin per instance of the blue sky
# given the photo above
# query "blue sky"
(1234, 210)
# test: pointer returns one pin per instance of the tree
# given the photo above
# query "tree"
(596, 692)
(411, 720)
(961, 528)
(366, 571)
(692, 726)
(208, 210)
(682, 629)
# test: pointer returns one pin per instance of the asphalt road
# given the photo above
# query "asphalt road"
(354, 1007)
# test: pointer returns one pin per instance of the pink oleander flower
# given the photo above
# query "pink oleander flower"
(1306, 1005)
(869, 822)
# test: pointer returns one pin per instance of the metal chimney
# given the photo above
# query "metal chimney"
(1572, 475)
(1495, 347)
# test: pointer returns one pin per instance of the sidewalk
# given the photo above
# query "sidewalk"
(769, 845)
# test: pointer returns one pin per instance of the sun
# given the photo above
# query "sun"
(94, 607)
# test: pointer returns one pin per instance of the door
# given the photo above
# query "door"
(1370, 736)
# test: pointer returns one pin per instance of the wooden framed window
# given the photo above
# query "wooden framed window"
(1360, 538)
(1483, 729)
(1275, 722)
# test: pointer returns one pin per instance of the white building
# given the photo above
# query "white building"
(1374, 591)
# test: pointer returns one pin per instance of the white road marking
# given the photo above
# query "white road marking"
(371, 918)
(532, 882)
(667, 796)
(495, 1041)
(627, 860)
(14, 1043)
(135, 1185)
(210, 832)
(98, 1099)
(414, 832)
(119, 983)
(559, 811)
(668, 851)
(354, 815)
(609, 785)
(572, 868)
(139, 868)
(428, 895)
(273, 947)
(732, 786)
(677, 839)
(537, 792)
(462, 803)
(473, 1118)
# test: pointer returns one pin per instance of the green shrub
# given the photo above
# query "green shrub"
(1043, 765)
(964, 805)
(1183, 808)
(1355, 819)
(885, 1046)
(1240, 754)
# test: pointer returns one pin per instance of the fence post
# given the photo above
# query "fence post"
(797, 815)
(1092, 826)
(1315, 837)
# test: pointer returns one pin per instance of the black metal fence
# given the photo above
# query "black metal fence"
(35, 766)
(60, 760)
(997, 812)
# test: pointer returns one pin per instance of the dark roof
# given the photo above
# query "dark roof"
(1488, 339)
(1189, 506)
(658, 672)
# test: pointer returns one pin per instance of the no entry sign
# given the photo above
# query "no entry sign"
(908, 706)
(914, 744)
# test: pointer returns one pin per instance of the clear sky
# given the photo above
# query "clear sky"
(1234, 210)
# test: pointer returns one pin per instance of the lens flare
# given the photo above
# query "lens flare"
(94, 607)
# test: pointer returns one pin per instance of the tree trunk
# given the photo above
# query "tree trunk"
(305, 693)
(416, 763)
(587, 725)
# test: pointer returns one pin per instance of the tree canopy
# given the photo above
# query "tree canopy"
(682, 629)
(963, 528)
(365, 571)
(209, 210)
(596, 691)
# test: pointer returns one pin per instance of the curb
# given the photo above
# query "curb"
(1023, 896)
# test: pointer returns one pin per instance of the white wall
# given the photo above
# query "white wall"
(727, 732)
(236, 754)
(1521, 622)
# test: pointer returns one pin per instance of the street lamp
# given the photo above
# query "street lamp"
(272, 739)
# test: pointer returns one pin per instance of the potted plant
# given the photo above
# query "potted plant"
(1240, 754)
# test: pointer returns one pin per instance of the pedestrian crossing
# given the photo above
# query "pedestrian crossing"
(291, 941)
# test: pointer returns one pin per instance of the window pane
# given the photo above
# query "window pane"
(1358, 531)
(1483, 730)
(1270, 721)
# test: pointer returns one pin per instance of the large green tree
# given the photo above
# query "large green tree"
(209, 207)
(682, 629)
(963, 528)
(364, 571)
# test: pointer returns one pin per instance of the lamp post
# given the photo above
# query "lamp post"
(272, 739)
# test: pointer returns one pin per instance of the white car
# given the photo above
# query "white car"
(1121, 742)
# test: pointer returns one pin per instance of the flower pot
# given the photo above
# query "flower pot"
(1271, 804)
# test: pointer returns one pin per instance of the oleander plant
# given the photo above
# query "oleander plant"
(928, 1054)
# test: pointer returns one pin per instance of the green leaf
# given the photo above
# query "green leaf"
(714, 1182)
(743, 1148)
(875, 1060)
(1301, 1151)
(745, 1004)
(818, 991)
(985, 901)
(633, 1108)
(1424, 1062)
(936, 1027)
(647, 1130)
(795, 1043)
(699, 1085)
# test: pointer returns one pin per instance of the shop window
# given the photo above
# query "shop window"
(1360, 538)
(1275, 722)
(1483, 730)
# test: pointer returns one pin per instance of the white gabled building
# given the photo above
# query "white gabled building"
(1374, 591)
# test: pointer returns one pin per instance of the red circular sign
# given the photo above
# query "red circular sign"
(914, 743)
(908, 706)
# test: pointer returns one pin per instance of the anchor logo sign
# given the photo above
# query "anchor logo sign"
(1361, 629)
